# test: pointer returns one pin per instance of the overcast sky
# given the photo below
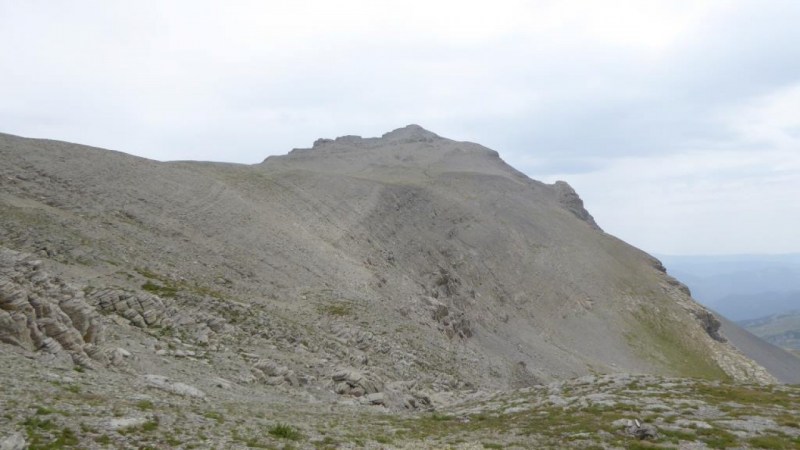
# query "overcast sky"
(678, 122)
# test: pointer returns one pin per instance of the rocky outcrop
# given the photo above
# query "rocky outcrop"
(148, 311)
(142, 309)
(704, 326)
(570, 200)
(273, 374)
(710, 323)
(39, 312)
(451, 323)
(356, 383)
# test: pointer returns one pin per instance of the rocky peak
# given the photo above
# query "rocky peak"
(412, 148)
(411, 133)
(407, 134)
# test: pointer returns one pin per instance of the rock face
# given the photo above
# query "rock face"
(570, 199)
(140, 308)
(40, 312)
(408, 265)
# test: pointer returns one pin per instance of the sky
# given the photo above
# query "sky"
(678, 122)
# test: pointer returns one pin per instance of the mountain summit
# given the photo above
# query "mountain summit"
(411, 133)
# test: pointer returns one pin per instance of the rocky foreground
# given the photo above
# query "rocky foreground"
(62, 390)
(68, 408)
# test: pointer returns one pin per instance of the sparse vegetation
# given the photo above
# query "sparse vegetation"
(338, 309)
(162, 291)
(144, 405)
(43, 411)
(284, 431)
(216, 416)
(660, 339)
(383, 439)
(150, 425)
(168, 288)
(771, 443)
(43, 435)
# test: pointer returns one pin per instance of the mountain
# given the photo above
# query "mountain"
(741, 287)
(782, 329)
(742, 307)
(408, 271)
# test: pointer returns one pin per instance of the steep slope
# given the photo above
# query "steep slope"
(783, 365)
(409, 265)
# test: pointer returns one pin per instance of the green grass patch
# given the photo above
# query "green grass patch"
(285, 431)
(43, 411)
(661, 340)
(641, 445)
(788, 420)
(165, 287)
(772, 443)
(337, 309)
(42, 434)
(743, 394)
(716, 438)
(150, 425)
(144, 405)
(147, 427)
(383, 440)
(161, 291)
(64, 439)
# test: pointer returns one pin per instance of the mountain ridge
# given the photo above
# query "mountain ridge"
(410, 273)
(417, 201)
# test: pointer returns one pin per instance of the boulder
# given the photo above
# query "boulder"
(636, 428)
(14, 442)
(377, 398)
(350, 381)
(124, 423)
(177, 388)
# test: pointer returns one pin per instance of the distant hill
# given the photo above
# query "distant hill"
(741, 287)
(780, 329)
